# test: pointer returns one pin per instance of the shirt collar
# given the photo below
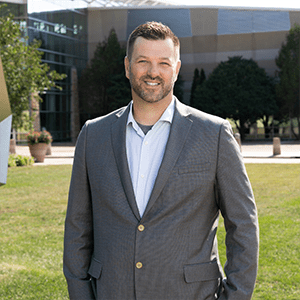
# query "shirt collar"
(167, 116)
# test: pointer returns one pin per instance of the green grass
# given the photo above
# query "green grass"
(277, 191)
(32, 212)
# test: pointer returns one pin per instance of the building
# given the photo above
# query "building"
(63, 33)
(208, 36)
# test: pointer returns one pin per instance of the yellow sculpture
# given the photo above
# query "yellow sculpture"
(5, 127)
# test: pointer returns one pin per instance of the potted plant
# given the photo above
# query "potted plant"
(38, 142)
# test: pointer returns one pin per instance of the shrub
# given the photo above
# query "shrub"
(15, 160)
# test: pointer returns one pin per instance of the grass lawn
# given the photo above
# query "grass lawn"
(32, 212)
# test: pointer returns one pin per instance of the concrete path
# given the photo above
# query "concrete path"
(253, 152)
(60, 155)
(262, 152)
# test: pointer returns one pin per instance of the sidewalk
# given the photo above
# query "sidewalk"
(262, 152)
(253, 152)
(60, 155)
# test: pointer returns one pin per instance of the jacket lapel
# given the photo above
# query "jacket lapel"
(118, 136)
(180, 128)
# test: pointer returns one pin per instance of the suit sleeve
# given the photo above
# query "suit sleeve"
(237, 205)
(78, 241)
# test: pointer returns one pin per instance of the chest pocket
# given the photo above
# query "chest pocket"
(196, 168)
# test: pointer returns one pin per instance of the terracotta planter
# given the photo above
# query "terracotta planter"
(49, 152)
(38, 151)
(12, 146)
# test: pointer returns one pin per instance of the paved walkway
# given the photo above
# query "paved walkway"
(253, 152)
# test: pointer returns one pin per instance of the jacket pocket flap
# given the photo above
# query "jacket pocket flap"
(194, 168)
(95, 269)
(201, 272)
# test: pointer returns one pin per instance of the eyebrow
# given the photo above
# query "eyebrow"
(162, 58)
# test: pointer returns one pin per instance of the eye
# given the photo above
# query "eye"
(142, 61)
(165, 63)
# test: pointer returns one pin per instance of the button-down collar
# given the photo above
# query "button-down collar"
(167, 116)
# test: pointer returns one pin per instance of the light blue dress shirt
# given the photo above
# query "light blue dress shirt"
(145, 153)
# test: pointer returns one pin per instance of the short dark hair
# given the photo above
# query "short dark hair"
(151, 31)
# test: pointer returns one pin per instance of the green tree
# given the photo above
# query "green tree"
(288, 87)
(238, 89)
(198, 79)
(178, 88)
(24, 72)
(103, 85)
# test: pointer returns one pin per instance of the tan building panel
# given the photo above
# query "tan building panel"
(269, 40)
(265, 54)
(187, 58)
(224, 56)
(269, 66)
(294, 18)
(203, 44)
(95, 27)
(186, 45)
(187, 71)
(116, 19)
(208, 57)
(204, 21)
(196, 58)
(207, 67)
(101, 22)
(91, 50)
(235, 42)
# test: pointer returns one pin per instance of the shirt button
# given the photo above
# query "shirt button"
(146, 143)
(141, 227)
(139, 265)
(142, 176)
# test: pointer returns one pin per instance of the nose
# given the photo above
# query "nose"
(153, 70)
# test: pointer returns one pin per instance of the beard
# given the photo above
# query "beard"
(149, 94)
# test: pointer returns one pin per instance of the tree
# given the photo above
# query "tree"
(288, 87)
(24, 72)
(238, 89)
(178, 87)
(198, 79)
(103, 86)
(270, 114)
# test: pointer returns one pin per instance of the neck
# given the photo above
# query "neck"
(147, 113)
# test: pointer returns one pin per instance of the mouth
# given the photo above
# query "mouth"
(152, 83)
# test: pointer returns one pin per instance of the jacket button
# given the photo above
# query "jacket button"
(141, 227)
(139, 265)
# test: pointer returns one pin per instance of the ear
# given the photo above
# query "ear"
(178, 65)
(127, 66)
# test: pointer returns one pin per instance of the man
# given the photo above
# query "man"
(148, 183)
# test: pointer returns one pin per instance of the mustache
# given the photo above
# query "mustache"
(157, 78)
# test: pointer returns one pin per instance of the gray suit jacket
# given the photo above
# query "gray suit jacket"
(201, 174)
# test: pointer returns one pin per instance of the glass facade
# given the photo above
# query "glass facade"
(63, 36)
(18, 10)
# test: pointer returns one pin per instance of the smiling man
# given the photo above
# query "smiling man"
(148, 184)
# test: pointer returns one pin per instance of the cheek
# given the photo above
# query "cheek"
(136, 73)
(173, 76)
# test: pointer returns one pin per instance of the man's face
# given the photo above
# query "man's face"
(153, 69)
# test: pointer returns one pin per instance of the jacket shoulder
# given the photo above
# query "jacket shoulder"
(107, 119)
(200, 116)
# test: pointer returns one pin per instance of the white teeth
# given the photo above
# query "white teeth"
(152, 83)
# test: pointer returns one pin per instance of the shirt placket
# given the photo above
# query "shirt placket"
(143, 174)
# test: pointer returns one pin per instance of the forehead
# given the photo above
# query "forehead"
(153, 48)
